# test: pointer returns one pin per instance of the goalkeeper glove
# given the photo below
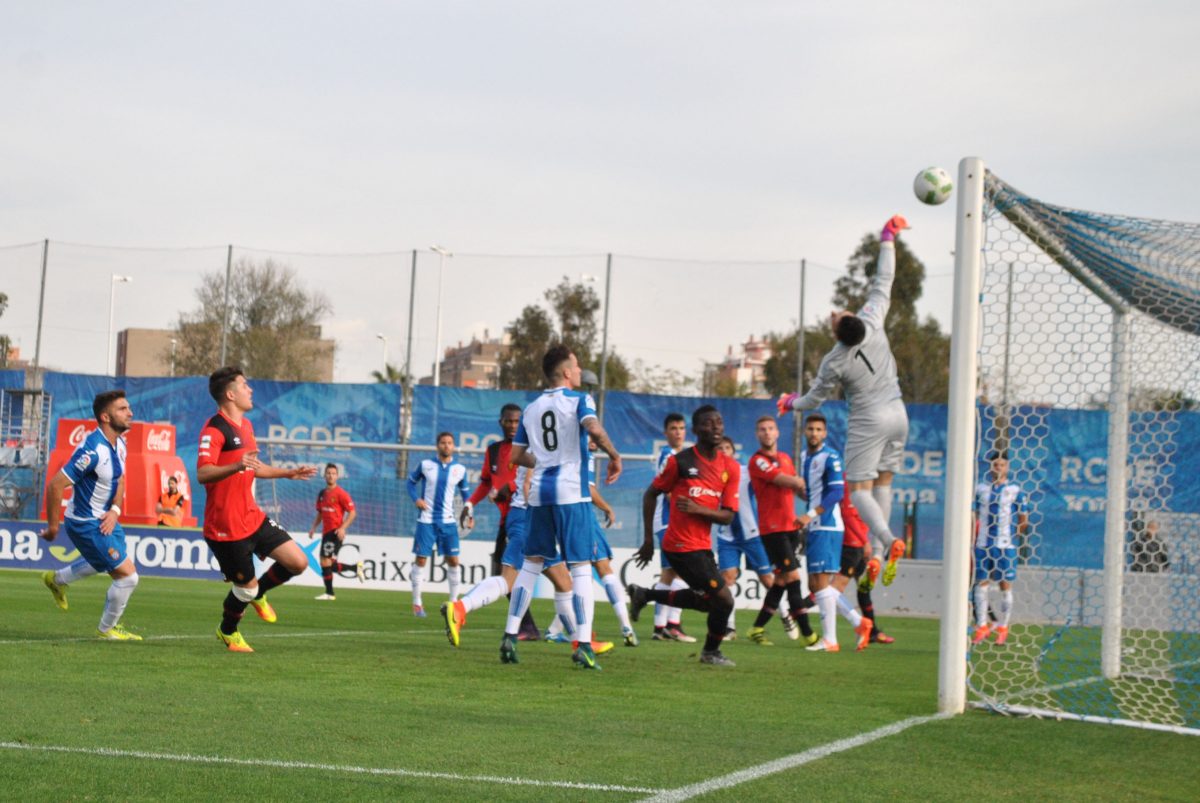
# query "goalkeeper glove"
(784, 404)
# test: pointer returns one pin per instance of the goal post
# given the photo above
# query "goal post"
(1076, 337)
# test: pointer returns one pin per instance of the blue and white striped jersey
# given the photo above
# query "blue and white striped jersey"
(745, 522)
(552, 430)
(822, 474)
(998, 508)
(95, 469)
(436, 482)
(662, 511)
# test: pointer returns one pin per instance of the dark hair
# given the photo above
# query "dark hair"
(220, 380)
(997, 454)
(672, 418)
(816, 417)
(701, 411)
(850, 330)
(102, 400)
(331, 466)
(172, 479)
(555, 357)
(729, 440)
(509, 408)
(763, 418)
(441, 435)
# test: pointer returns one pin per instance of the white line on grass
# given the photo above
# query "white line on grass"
(105, 752)
(209, 636)
(790, 762)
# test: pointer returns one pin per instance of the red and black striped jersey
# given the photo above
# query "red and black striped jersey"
(230, 512)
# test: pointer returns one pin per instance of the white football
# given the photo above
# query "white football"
(933, 186)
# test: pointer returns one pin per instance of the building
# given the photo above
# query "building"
(473, 365)
(741, 374)
(151, 352)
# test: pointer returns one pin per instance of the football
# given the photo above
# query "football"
(932, 186)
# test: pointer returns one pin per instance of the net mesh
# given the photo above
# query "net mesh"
(1087, 316)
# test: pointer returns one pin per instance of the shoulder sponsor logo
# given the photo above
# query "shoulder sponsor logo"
(84, 461)
(762, 463)
(205, 441)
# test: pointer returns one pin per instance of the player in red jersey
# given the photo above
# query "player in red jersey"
(498, 482)
(773, 478)
(234, 527)
(335, 514)
(702, 488)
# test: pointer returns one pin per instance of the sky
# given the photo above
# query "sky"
(708, 146)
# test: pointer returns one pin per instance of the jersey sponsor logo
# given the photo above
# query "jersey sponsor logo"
(205, 441)
(695, 491)
(84, 461)
(762, 463)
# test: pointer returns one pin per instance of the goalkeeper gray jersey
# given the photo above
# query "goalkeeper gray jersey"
(866, 372)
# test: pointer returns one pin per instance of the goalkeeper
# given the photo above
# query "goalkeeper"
(862, 363)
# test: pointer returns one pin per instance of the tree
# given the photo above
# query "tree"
(274, 324)
(573, 306)
(922, 351)
(391, 375)
(656, 379)
(5, 343)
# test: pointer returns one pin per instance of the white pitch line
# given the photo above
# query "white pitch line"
(208, 636)
(790, 762)
(104, 752)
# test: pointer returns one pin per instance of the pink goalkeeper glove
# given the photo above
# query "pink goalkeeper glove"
(893, 227)
(784, 404)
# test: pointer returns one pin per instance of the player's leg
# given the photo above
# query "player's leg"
(983, 570)
(236, 561)
(501, 546)
(706, 592)
(328, 552)
(125, 580)
(616, 597)
(57, 581)
(272, 541)
(894, 425)
(729, 561)
(824, 558)
(1007, 570)
(448, 548)
(423, 543)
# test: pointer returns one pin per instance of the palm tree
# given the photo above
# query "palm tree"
(391, 375)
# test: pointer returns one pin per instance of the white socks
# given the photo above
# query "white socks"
(981, 605)
(522, 595)
(616, 597)
(1006, 601)
(585, 601)
(660, 610)
(564, 620)
(415, 577)
(75, 571)
(826, 600)
(118, 596)
(883, 497)
(453, 573)
(845, 609)
(485, 593)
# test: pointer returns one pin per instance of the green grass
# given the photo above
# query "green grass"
(360, 682)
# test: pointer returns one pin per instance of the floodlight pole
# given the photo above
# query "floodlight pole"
(37, 349)
(960, 442)
(604, 340)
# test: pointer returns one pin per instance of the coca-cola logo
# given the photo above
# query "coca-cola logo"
(158, 440)
(78, 434)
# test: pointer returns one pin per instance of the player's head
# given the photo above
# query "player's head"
(112, 408)
(331, 474)
(445, 445)
(228, 385)
(708, 426)
(561, 367)
(172, 484)
(510, 420)
(815, 431)
(999, 464)
(675, 428)
(847, 328)
(727, 446)
(767, 431)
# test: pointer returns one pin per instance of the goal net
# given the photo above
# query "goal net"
(1089, 385)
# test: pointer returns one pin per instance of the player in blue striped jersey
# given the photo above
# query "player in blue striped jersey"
(552, 440)
(432, 485)
(740, 538)
(97, 471)
(999, 517)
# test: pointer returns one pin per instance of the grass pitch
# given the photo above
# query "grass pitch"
(358, 700)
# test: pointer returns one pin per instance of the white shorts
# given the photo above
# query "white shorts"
(875, 441)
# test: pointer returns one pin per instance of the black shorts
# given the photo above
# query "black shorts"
(698, 569)
(784, 549)
(330, 544)
(236, 558)
(854, 561)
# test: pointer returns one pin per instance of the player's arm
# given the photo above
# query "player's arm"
(351, 514)
(645, 552)
(108, 522)
(603, 506)
(521, 456)
(265, 472)
(832, 495)
(316, 521)
(822, 388)
(879, 294)
(596, 432)
(416, 487)
(467, 518)
(54, 494)
(718, 515)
